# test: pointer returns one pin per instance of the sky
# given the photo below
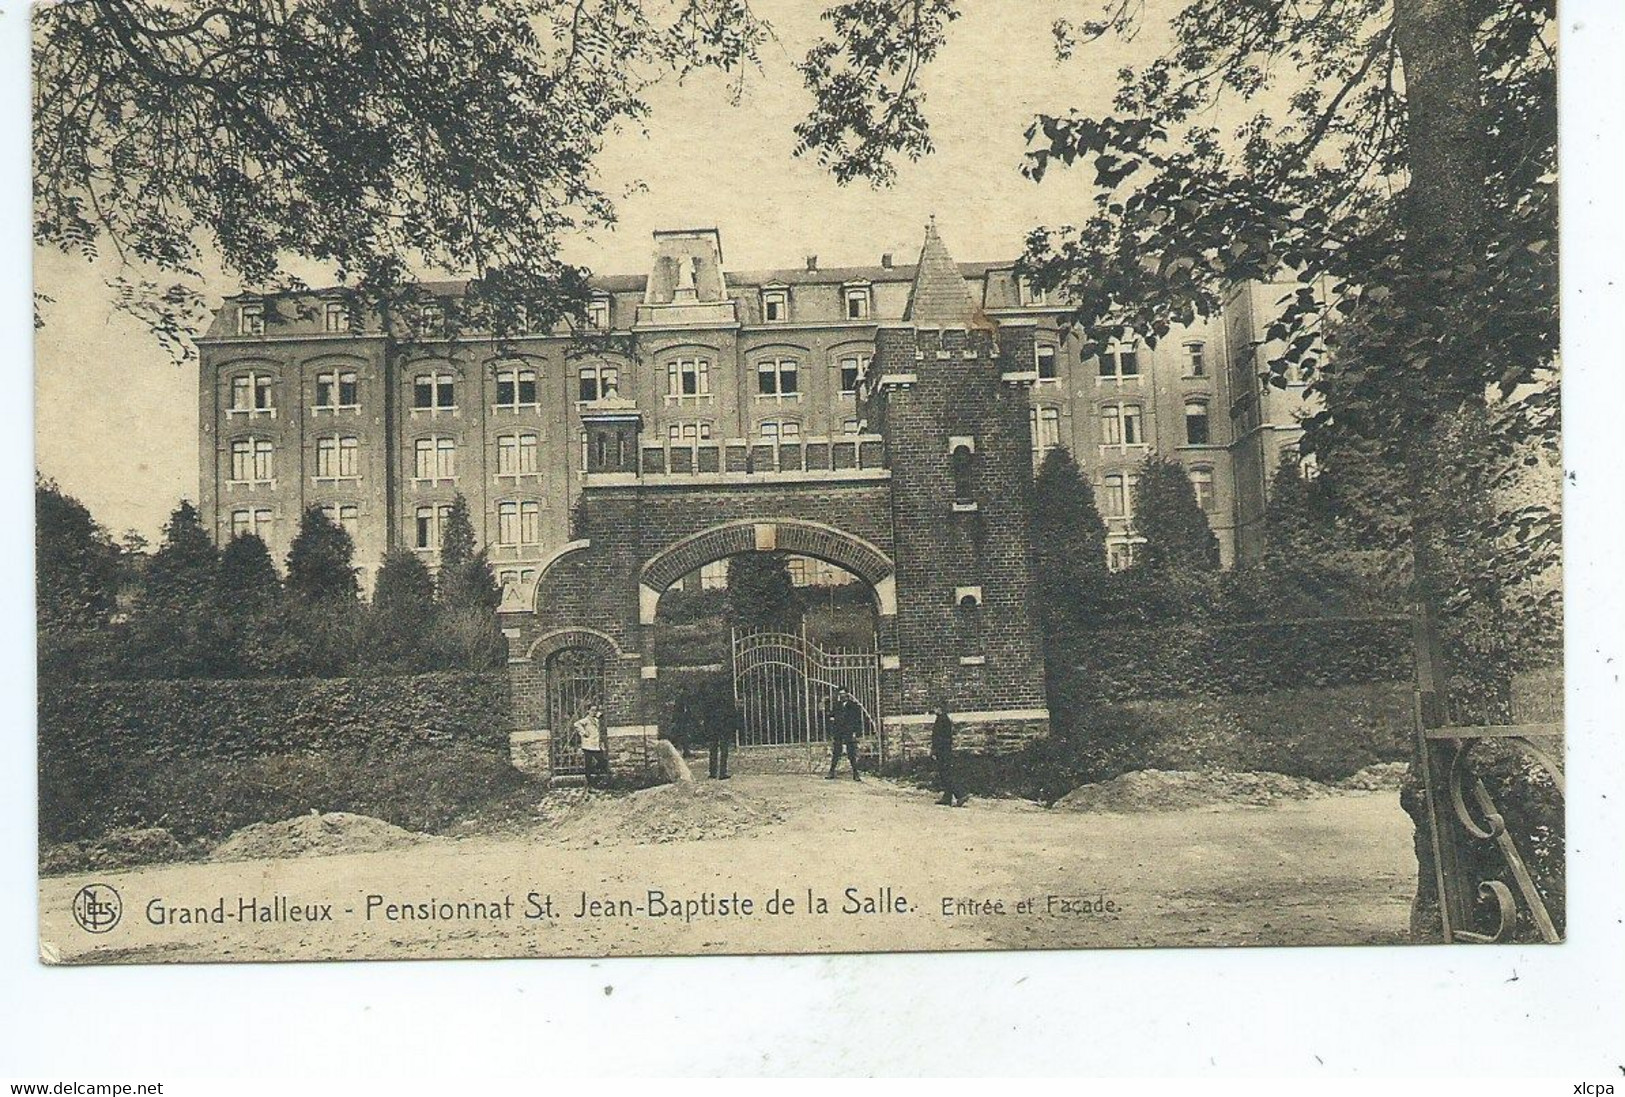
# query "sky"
(116, 419)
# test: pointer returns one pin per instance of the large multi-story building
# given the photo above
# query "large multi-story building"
(307, 401)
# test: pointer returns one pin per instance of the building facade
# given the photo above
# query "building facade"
(306, 401)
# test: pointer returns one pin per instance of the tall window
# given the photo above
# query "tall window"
(688, 377)
(335, 389)
(519, 523)
(1195, 359)
(251, 319)
(594, 383)
(1045, 422)
(257, 522)
(775, 305)
(433, 320)
(1202, 484)
(1031, 295)
(1196, 429)
(335, 316)
(516, 454)
(346, 516)
(1121, 425)
(962, 464)
(778, 377)
(251, 393)
(1120, 360)
(516, 388)
(1117, 494)
(251, 460)
(436, 459)
(430, 520)
(1047, 362)
(434, 392)
(853, 367)
(598, 314)
(857, 302)
(337, 458)
(688, 434)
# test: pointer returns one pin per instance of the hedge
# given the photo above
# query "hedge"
(1213, 659)
(176, 720)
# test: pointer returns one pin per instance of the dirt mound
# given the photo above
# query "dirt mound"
(680, 812)
(314, 835)
(1380, 777)
(1172, 790)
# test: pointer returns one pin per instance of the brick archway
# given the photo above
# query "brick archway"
(803, 538)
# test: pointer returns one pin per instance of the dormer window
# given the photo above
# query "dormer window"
(433, 320)
(251, 319)
(1195, 359)
(1031, 296)
(335, 317)
(857, 302)
(775, 306)
(598, 314)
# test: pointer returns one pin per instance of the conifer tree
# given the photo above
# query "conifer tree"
(174, 626)
(1166, 513)
(248, 578)
(466, 580)
(1069, 540)
(761, 593)
(321, 561)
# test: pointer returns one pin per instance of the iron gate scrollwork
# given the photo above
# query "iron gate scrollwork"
(785, 685)
(575, 682)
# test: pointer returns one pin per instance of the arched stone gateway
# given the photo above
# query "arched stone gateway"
(931, 502)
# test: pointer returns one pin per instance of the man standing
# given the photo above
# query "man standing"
(590, 730)
(721, 727)
(845, 725)
(942, 751)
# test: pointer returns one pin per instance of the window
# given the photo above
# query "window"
(1202, 484)
(433, 321)
(251, 393)
(434, 392)
(346, 516)
(430, 521)
(337, 390)
(256, 522)
(1046, 363)
(775, 305)
(1120, 360)
(776, 431)
(1119, 555)
(593, 383)
(335, 316)
(853, 367)
(337, 458)
(519, 523)
(1195, 359)
(1196, 432)
(598, 314)
(516, 454)
(436, 459)
(1118, 494)
(962, 461)
(851, 426)
(516, 388)
(688, 377)
(1121, 425)
(251, 460)
(778, 377)
(1046, 430)
(688, 434)
(1030, 295)
(251, 319)
(857, 303)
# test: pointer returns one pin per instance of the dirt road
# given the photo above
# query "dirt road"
(995, 874)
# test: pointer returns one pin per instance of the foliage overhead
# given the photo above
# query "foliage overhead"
(372, 139)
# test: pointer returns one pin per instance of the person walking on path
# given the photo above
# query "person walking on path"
(721, 726)
(942, 752)
(590, 730)
(846, 722)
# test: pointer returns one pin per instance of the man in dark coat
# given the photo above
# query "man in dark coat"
(942, 751)
(845, 725)
(720, 727)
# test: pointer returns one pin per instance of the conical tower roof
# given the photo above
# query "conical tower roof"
(941, 298)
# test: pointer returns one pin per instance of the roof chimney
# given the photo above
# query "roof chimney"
(885, 260)
(812, 262)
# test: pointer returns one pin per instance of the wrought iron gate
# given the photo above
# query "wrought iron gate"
(785, 685)
(575, 682)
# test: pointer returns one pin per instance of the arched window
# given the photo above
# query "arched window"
(1045, 423)
(338, 458)
(516, 388)
(435, 459)
(516, 454)
(962, 461)
(1202, 485)
(434, 392)
(251, 460)
(1196, 422)
(1048, 358)
(597, 382)
(778, 377)
(252, 393)
(337, 389)
(1195, 358)
(1122, 425)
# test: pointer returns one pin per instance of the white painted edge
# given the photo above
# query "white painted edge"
(972, 717)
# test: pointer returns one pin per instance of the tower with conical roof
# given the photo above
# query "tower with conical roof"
(949, 390)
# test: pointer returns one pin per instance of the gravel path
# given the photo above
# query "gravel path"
(1336, 869)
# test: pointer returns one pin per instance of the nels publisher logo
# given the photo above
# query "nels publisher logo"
(97, 908)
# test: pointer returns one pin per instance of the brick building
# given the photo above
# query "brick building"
(304, 402)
